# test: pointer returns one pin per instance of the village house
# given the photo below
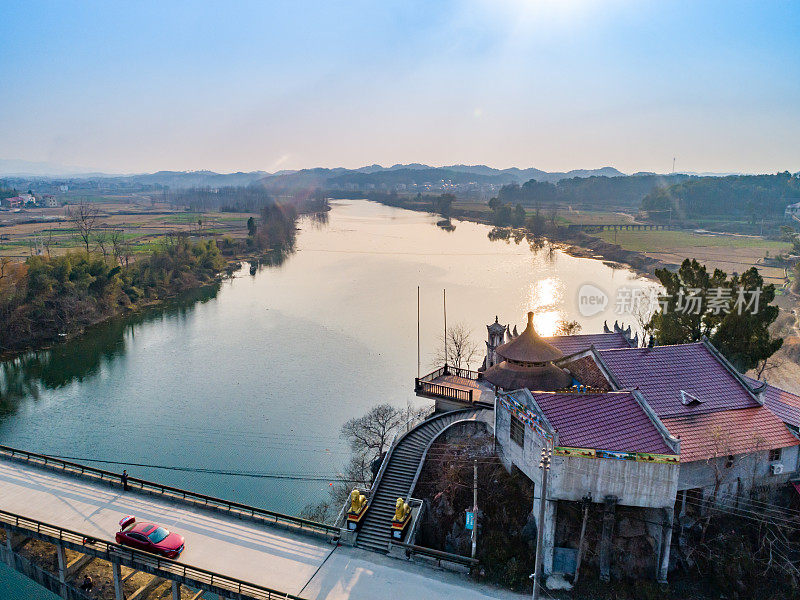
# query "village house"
(13, 202)
(648, 436)
(792, 210)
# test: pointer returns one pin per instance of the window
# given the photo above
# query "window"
(517, 431)
(775, 455)
(158, 535)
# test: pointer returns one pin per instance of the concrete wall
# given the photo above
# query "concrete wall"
(571, 478)
(748, 470)
(525, 458)
(633, 483)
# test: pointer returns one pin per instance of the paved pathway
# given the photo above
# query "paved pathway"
(264, 555)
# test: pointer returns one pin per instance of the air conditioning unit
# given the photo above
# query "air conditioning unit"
(776, 468)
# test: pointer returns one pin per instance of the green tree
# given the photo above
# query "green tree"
(251, 226)
(697, 305)
(743, 336)
(443, 204)
(519, 216)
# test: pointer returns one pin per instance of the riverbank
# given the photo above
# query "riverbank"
(574, 243)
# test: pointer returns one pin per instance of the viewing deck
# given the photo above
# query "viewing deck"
(453, 384)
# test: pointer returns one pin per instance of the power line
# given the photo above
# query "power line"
(255, 474)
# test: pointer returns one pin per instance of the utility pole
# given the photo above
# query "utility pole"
(544, 465)
(417, 331)
(474, 506)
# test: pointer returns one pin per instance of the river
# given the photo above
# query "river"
(259, 374)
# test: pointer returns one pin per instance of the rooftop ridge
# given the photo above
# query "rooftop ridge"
(733, 371)
(653, 347)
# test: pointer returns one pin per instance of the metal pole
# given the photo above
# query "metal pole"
(537, 573)
(444, 307)
(417, 331)
(474, 506)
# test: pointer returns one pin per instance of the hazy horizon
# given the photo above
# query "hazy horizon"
(44, 169)
(574, 84)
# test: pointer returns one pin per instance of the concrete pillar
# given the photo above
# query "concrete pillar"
(9, 549)
(609, 513)
(549, 541)
(669, 517)
(62, 568)
(117, 571)
(176, 590)
(62, 563)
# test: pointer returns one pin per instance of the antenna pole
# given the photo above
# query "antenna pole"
(417, 331)
(444, 306)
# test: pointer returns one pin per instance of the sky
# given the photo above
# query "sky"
(555, 84)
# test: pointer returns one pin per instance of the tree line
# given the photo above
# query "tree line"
(749, 196)
(51, 297)
(599, 191)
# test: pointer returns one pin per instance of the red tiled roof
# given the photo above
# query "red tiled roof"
(662, 372)
(784, 404)
(570, 344)
(611, 421)
(728, 432)
(586, 372)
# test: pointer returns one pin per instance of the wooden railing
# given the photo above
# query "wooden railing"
(142, 561)
(235, 508)
(455, 371)
(427, 385)
(440, 390)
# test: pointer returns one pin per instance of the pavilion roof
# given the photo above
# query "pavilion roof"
(529, 346)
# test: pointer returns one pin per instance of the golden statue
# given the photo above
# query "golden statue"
(357, 501)
(401, 510)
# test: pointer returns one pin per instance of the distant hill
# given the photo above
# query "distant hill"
(189, 179)
(418, 174)
(398, 176)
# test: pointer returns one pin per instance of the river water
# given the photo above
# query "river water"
(258, 375)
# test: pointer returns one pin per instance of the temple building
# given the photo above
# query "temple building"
(527, 361)
(647, 437)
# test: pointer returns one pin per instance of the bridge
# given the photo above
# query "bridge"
(598, 227)
(232, 550)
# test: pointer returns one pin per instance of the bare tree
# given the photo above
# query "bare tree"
(568, 327)
(102, 242)
(369, 436)
(6, 268)
(48, 241)
(120, 247)
(461, 351)
(767, 364)
(84, 216)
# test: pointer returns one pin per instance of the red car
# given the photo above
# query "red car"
(149, 537)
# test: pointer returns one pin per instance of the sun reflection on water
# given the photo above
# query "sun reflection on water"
(545, 298)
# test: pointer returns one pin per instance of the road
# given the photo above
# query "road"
(268, 556)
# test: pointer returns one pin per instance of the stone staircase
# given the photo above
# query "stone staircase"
(399, 474)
